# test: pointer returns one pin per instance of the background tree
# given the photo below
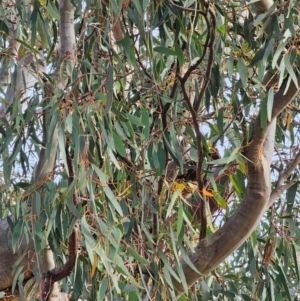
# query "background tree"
(137, 150)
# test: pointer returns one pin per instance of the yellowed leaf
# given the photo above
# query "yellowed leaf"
(94, 265)
(288, 121)
(207, 193)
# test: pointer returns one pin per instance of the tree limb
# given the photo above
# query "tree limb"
(212, 250)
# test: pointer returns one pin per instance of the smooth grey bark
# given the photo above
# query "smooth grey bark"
(46, 261)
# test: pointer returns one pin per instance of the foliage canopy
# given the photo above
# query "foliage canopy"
(140, 130)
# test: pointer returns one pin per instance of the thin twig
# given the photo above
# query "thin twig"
(279, 189)
(200, 159)
(210, 58)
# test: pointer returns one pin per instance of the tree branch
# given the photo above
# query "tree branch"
(47, 159)
(212, 250)
(280, 188)
(200, 159)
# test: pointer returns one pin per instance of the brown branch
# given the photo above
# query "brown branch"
(65, 270)
(190, 10)
(210, 58)
(279, 189)
(164, 110)
(69, 158)
(58, 274)
(283, 177)
(281, 100)
(205, 46)
(200, 183)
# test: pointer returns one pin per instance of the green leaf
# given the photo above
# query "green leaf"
(283, 280)
(259, 55)
(17, 273)
(278, 54)
(119, 145)
(226, 160)
(168, 266)
(42, 34)
(175, 144)
(175, 156)
(179, 54)
(17, 234)
(220, 122)
(16, 151)
(174, 197)
(116, 6)
(52, 10)
(70, 202)
(179, 222)
(135, 120)
(187, 259)
(164, 50)
(182, 276)
(69, 123)
(146, 123)
(103, 288)
(263, 115)
(3, 28)
(230, 65)
(87, 231)
(160, 159)
(238, 182)
(242, 72)
(127, 45)
(291, 197)
(109, 87)
(61, 144)
(296, 261)
(26, 45)
(290, 69)
(113, 200)
(137, 257)
(271, 290)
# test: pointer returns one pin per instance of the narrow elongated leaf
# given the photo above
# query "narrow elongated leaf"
(137, 257)
(243, 72)
(111, 197)
(109, 87)
(103, 288)
(290, 69)
(165, 50)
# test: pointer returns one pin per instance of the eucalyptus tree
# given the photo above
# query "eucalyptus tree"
(149, 150)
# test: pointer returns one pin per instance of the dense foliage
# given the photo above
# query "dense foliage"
(156, 88)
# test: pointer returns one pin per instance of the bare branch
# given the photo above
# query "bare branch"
(211, 47)
(280, 188)
(278, 191)
(283, 177)
(200, 159)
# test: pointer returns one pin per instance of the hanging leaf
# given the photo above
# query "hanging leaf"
(243, 72)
